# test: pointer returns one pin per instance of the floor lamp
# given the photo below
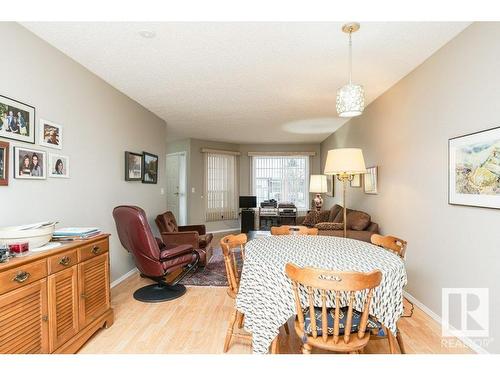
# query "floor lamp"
(345, 163)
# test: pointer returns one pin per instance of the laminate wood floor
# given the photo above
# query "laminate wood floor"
(197, 323)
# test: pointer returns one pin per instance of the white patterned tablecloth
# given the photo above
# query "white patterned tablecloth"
(265, 293)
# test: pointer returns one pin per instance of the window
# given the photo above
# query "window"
(283, 178)
(220, 187)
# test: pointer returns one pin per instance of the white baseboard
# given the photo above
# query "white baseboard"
(124, 277)
(468, 342)
(224, 230)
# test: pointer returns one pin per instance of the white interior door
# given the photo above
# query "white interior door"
(176, 186)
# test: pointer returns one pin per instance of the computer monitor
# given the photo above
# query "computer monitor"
(248, 201)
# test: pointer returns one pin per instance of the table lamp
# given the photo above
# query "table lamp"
(345, 163)
(317, 184)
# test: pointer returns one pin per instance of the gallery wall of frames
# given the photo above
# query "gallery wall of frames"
(46, 158)
(30, 162)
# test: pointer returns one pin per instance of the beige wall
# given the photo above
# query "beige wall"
(195, 173)
(100, 123)
(405, 132)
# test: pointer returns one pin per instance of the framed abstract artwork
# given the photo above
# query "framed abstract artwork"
(474, 169)
(17, 120)
(370, 180)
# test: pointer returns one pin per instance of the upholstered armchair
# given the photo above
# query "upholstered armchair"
(154, 259)
(194, 235)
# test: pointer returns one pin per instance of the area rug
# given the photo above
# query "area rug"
(213, 274)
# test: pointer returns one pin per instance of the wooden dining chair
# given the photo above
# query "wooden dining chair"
(391, 243)
(279, 231)
(338, 329)
(307, 231)
(228, 245)
(398, 247)
(301, 230)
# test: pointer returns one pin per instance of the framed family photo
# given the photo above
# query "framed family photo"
(17, 120)
(133, 166)
(150, 168)
(29, 164)
(4, 163)
(474, 169)
(58, 166)
(370, 183)
(51, 134)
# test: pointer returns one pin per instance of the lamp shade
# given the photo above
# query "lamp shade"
(350, 100)
(317, 183)
(345, 161)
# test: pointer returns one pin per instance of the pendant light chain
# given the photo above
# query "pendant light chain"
(350, 56)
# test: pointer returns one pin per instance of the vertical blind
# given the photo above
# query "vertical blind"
(283, 178)
(221, 186)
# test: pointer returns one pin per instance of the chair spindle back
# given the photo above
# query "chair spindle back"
(324, 282)
(228, 244)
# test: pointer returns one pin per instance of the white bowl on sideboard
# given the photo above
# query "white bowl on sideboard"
(35, 237)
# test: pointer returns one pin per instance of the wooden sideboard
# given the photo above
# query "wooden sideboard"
(53, 301)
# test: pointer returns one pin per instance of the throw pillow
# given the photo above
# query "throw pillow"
(324, 216)
(329, 226)
(358, 220)
(334, 211)
(311, 218)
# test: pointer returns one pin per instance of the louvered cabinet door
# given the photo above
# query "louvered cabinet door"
(24, 321)
(63, 306)
(93, 288)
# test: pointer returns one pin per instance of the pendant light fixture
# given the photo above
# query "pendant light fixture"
(350, 97)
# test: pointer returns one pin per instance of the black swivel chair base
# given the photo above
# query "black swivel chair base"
(159, 293)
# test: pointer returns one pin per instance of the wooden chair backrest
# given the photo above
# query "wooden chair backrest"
(394, 244)
(228, 244)
(307, 231)
(278, 231)
(327, 281)
(286, 229)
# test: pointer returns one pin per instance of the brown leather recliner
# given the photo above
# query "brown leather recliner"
(194, 235)
(154, 259)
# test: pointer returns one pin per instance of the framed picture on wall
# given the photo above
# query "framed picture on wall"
(4, 163)
(330, 185)
(133, 166)
(17, 120)
(474, 169)
(150, 168)
(58, 166)
(51, 134)
(356, 181)
(29, 164)
(370, 180)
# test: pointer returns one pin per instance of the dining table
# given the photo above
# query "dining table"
(265, 292)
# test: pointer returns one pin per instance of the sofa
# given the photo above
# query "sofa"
(359, 224)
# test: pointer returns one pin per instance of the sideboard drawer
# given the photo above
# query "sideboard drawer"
(92, 250)
(62, 261)
(22, 275)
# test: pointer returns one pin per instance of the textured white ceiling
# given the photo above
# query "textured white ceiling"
(246, 82)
